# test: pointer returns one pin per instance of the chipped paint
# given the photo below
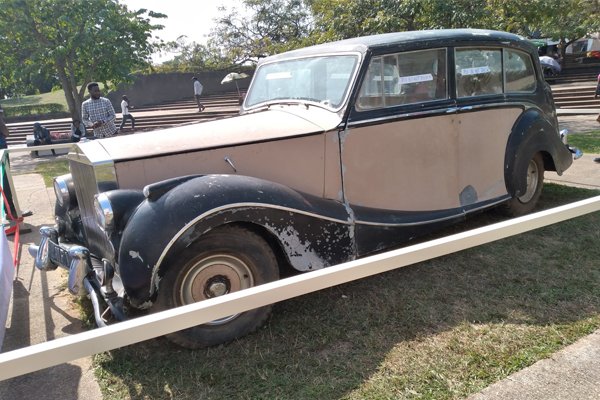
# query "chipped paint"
(154, 281)
(351, 219)
(145, 306)
(301, 254)
(136, 255)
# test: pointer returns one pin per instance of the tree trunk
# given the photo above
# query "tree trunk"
(77, 95)
(72, 102)
(562, 48)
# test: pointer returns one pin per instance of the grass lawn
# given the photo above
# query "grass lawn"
(441, 329)
(57, 97)
(588, 142)
(51, 169)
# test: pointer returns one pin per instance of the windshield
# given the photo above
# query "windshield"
(323, 79)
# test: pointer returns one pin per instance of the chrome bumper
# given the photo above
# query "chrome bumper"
(574, 150)
(50, 255)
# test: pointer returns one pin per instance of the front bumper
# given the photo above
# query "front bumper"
(50, 255)
(84, 278)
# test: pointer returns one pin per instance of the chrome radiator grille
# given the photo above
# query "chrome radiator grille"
(86, 186)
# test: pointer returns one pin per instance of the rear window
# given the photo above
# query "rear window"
(519, 74)
(482, 72)
(478, 72)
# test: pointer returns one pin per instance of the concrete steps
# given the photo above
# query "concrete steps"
(576, 92)
(576, 96)
(147, 118)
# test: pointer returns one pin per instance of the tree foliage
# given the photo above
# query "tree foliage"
(76, 41)
(568, 20)
(242, 36)
(80, 41)
(263, 28)
(341, 19)
(268, 27)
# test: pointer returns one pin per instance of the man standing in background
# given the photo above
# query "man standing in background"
(98, 113)
(125, 113)
(197, 93)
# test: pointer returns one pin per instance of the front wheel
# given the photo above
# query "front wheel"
(223, 261)
(525, 203)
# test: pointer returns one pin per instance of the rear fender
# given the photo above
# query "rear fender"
(533, 133)
(312, 232)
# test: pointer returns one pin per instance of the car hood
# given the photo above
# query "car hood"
(276, 122)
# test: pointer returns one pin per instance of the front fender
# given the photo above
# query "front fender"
(533, 133)
(312, 232)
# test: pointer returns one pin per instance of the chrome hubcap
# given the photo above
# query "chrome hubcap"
(215, 276)
(532, 182)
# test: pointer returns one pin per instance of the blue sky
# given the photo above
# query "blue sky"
(191, 18)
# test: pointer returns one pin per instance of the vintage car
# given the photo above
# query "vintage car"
(341, 150)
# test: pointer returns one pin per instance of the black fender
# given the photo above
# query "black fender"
(533, 133)
(312, 232)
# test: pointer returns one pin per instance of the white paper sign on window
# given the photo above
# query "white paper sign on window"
(279, 75)
(416, 78)
(475, 71)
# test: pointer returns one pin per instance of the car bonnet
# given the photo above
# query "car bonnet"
(275, 123)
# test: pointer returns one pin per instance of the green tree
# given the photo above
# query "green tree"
(568, 20)
(80, 40)
(449, 14)
(193, 57)
(261, 29)
(342, 19)
(564, 20)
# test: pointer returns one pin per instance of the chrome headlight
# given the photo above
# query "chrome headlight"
(64, 190)
(105, 216)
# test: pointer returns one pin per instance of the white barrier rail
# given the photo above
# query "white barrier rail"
(58, 351)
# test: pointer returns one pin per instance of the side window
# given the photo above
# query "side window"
(478, 72)
(404, 78)
(519, 74)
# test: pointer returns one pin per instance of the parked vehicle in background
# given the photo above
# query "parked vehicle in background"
(341, 150)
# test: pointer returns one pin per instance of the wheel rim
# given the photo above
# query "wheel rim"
(532, 182)
(215, 276)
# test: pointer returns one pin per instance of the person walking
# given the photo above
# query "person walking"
(98, 113)
(125, 115)
(197, 93)
(597, 87)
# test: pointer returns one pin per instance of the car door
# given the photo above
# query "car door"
(399, 151)
(486, 116)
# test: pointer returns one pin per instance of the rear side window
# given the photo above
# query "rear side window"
(404, 78)
(478, 72)
(482, 72)
(518, 72)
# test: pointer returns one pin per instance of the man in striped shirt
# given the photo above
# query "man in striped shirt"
(98, 113)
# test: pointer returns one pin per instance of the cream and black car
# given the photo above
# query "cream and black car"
(341, 150)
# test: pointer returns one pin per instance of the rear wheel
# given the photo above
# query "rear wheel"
(223, 261)
(535, 181)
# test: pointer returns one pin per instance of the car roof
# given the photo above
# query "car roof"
(375, 43)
